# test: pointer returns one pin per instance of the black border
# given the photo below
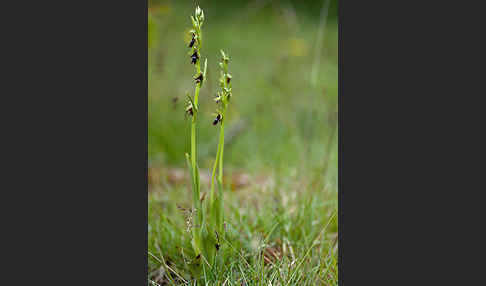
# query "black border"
(80, 144)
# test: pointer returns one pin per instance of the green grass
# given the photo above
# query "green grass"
(288, 132)
(300, 228)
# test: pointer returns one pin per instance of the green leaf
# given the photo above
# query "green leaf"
(205, 67)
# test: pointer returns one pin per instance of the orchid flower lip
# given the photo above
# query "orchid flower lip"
(199, 78)
(194, 57)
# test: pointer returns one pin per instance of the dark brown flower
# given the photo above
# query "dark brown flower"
(190, 111)
(217, 119)
(192, 41)
(199, 79)
(194, 58)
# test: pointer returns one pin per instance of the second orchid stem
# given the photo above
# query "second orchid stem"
(223, 97)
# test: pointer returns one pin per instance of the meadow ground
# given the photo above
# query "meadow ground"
(281, 146)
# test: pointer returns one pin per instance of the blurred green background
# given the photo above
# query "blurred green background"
(284, 63)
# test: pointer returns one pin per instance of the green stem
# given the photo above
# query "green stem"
(213, 177)
(218, 164)
(198, 218)
(220, 177)
(221, 144)
(193, 133)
